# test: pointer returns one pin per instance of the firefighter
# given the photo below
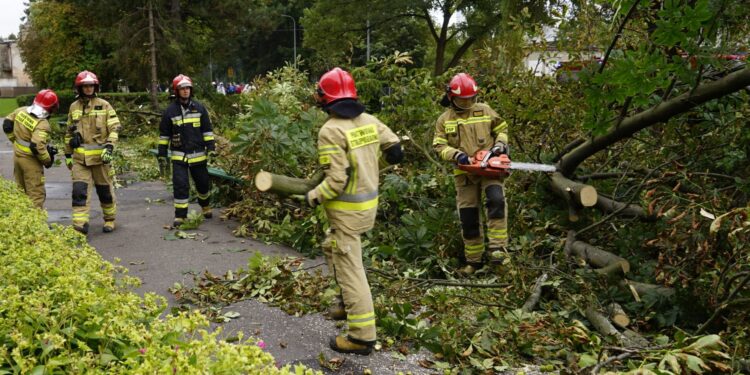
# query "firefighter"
(463, 129)
(350, 145)
(93, 128)
(29, 130)
(185, 129)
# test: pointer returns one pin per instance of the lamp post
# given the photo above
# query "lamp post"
(294, 35)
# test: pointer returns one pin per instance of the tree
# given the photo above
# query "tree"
(336, 27)
(55, 45)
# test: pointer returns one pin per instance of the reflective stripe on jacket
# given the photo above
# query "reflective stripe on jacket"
(186, 130)
(97, 122)
(349, 151)
(30, 135)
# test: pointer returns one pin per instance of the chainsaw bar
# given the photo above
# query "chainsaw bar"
(532, 167)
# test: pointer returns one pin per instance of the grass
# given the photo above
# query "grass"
(7, 105)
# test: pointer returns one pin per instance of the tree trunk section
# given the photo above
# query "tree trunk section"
(276, 183)
(152, 41)
(575, 194)
(617, 315)
(600, 258)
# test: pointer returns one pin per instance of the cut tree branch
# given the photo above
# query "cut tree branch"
(536, 293)
(628, 210)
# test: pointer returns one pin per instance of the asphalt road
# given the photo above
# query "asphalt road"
(139, 243)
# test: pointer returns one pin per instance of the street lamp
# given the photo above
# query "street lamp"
(294, 35)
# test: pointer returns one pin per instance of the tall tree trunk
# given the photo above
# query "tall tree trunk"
(152, 41)
(441, 40)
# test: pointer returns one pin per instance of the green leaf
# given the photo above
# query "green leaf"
(586, 360)
(694, 363)
(705, 343)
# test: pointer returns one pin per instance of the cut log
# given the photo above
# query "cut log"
(602, 325)
(606, 261)
(275, 183)
(617, 315)
(574, 193)
(647, 289)
(628, 210)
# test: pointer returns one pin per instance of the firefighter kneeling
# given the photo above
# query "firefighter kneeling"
(186, 130)
(28, 129)
(349, 148)
(463, 129)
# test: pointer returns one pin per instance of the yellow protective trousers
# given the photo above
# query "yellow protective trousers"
(83, 178)
(469, 190)
(29, 174)
(343, 251)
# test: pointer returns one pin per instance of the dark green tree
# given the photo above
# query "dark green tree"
(452, 27)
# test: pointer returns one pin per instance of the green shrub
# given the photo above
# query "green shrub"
(65, 310)
(67, 97)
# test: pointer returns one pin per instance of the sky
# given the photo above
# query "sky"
(11, 12)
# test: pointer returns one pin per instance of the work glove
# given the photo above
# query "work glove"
(108, 155)
(163, 165)
(76, 140)
(52, 151)
(312, 202)
(51, 161)
(69, 161)
(463, 159)
(500, 148)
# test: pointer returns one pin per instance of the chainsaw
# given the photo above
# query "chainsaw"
(484, 163)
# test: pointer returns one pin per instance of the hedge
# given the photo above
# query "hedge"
(67, 97)
(63, 309)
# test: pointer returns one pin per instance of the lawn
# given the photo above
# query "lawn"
(7, 105)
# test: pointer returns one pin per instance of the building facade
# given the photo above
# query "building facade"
(13, 78)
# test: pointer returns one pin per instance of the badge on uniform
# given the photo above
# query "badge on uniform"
(478, 113)
(98, 108)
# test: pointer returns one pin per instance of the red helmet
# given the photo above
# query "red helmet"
(87, 78)
(336, 84)
(47, 99)
(181, 81)
(462, 86)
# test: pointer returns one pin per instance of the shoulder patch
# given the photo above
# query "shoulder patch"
(477, 113)
(98, 107)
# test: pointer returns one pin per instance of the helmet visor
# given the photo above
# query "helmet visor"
(464, 103)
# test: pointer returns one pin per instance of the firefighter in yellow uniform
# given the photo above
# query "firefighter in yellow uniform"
(28, 129)
(351, 145)
(93, 129)
(463, 129)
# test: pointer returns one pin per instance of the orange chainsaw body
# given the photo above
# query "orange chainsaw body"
(484, 164)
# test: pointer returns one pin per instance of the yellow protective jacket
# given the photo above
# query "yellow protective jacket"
(30, 135)
(350, 151)
(478, 128)
(98, 124)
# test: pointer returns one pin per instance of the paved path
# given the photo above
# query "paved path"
(138, 242)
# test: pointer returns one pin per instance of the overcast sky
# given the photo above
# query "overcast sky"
(10, 16)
